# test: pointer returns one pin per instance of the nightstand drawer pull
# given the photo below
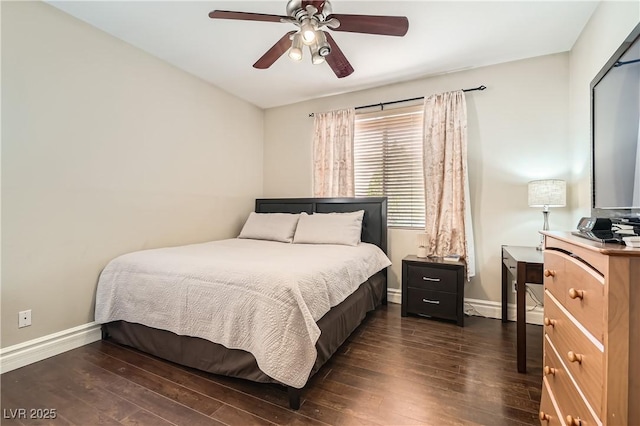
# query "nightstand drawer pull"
(433, 302)
(437, 280)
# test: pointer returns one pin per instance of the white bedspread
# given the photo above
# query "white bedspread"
(260, 296)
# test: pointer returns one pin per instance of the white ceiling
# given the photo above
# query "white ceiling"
(443, 36)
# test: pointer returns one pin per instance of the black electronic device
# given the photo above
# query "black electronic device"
(594, 224)
(615, 116)
(597, 229)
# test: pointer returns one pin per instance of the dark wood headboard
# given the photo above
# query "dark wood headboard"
(374, 223)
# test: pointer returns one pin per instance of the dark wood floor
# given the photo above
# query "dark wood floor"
(392, 371)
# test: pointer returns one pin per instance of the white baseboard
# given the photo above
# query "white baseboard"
(394, 295)
(483, 308)
(487, 308)
(35, 350)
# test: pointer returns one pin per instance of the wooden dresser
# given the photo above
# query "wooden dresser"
(591, 333)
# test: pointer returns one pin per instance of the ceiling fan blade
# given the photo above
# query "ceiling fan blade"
(336, 59)
(245, 16)
(318, 4)
(275, 52)
(372, 24)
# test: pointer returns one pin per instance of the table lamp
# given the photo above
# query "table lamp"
(547, 193)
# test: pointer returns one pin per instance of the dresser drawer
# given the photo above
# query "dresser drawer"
(432, 303)
(430, 278)
(566, 337)
(554, 274)
(558, 379)
(549, 416)
(578, 288)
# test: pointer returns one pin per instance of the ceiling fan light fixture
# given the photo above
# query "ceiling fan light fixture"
(295, 52)
(308, 31)
(324, 51)
(316, 57)
(324, 48)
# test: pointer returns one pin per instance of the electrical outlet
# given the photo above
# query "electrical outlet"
(514, 286)
(24, 318)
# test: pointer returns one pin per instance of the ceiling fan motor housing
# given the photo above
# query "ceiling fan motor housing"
(296, 10)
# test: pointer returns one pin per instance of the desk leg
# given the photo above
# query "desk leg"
(505, 291)
(521, 323)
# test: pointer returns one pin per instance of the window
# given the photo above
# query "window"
(388, 162)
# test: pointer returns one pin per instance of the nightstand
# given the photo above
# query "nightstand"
(434, 288)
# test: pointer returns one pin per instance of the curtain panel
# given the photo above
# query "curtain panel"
(333, 174)
(446, 186)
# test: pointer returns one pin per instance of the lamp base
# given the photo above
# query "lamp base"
(545, 227)
(422, 252)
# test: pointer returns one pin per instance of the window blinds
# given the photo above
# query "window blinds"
(388, 162)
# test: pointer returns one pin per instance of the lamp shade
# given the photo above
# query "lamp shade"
(547, 192)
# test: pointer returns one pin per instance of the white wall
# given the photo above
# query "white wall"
(608, 27)
(517, 131)
(106, 150)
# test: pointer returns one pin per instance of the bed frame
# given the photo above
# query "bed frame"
(336, 325)
(374, 223)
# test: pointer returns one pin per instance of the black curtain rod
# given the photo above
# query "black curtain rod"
(382, 104)
(620, 63)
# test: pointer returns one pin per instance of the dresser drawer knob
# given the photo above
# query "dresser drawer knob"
(549, 273)
(576, 294)
(571, 421)
(433, 302)
(544, 417)
(549, 370)
(574, 357)
(431, 279)
(549, 322)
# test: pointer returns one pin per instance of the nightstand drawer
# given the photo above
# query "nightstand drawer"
(432, 303)
(430, 278)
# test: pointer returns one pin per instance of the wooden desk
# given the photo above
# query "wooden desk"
(525, 264)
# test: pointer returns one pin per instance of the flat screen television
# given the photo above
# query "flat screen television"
(615, 135)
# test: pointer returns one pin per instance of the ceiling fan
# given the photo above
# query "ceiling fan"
(310, 17)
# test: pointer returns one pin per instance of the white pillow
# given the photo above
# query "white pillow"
(270, 226)
(329, 228)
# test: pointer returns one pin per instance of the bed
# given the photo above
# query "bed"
(309, 335)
